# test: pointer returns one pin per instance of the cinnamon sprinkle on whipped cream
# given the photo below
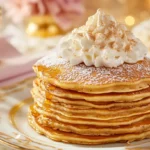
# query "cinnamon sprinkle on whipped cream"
(102, 41)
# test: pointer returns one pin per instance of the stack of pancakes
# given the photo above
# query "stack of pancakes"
(89, 105)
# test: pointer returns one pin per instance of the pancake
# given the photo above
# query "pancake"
(93, 130)
(109, 97)
(84, 121)
(81, 78)
(41, 96)
(97, 114)
(83, 139)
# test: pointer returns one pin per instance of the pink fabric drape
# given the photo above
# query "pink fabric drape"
(11, 67)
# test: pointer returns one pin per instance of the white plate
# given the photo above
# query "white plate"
(16, 133)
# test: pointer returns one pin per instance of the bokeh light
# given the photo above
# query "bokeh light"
(129, 20)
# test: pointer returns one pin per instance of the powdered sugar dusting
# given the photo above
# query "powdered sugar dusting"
(82, 74)
(50, 61)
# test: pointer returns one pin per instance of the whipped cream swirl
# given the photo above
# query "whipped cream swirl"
(142, 31)
(102, 41)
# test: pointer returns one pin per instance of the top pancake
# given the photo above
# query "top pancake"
(81, 78)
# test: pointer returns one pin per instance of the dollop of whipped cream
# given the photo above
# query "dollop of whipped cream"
(142, 31)
(102, 41)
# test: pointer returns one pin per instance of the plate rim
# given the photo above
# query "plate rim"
(8, 144)
(10, 87)
(8, 90)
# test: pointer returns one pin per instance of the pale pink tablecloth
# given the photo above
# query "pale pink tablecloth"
(13, 66)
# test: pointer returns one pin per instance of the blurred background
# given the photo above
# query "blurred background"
(39, 24)
(129, 12)
(30, 29)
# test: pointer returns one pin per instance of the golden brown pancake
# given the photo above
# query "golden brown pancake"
(80, 104)
(96, 114)
(93, 130)
(109, 97)
(81, 78)
(68, 137)
(107, 123)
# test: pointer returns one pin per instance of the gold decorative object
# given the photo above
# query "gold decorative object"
(42, 26)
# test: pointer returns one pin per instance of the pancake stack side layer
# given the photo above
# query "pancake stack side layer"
(89, 105)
